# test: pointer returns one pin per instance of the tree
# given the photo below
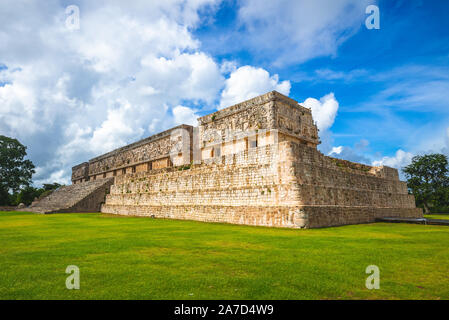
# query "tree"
(26, 195)
(428, 179)
(15, 172)
(51, 186)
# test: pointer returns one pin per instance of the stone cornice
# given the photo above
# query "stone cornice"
(271, 96)
(80, 165)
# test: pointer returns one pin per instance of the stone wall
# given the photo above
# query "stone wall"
(335, 192)
(284, 185)
(254, 188)
(80, 173)
(271, 111)
(328, 181)
(250, 180)
(136, 157)
(297, 122)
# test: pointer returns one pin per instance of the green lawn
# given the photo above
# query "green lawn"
(143, 258)
(437, 216)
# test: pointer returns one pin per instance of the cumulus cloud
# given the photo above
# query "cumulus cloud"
(73, 94)
(228, 67)
(324, 110)
(398, 161)
(248, 82)
(403, 158)
(306, 28)
(185, 115)
(133, 70)
(354, 154)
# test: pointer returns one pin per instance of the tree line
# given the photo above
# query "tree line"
(428, 180)
(16, 175)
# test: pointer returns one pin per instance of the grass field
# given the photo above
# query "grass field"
(437, 216)
(143, 258)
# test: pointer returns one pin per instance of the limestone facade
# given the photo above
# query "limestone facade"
(144, 155)
(253, 163)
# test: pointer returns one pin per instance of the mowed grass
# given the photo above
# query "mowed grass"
(437, 216)
(143, 258)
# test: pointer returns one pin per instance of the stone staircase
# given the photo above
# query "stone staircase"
(82, 197)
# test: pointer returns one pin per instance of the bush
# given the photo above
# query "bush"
(4, 198)
(440, 209)
(26, 196)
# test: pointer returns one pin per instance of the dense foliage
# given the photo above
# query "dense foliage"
(28, 194)
(16, 174)
(15, 171)
(428, 180)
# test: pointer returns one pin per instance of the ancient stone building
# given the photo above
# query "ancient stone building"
(253, 163)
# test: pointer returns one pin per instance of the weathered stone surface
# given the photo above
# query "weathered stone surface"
(253, 163)
(127, 159)
(297, 192)
(83, 197)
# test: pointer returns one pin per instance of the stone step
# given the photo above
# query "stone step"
(81, 197)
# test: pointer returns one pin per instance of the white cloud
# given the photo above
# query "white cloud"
(185, 115)
(196, 75)
(119, 127)
(331, 75)
(405, 91)
(403, 158)
(324, 110)
(354, 154)
(228, 67)
(294, 31)
(248, 82)
(398, 161)
(446, 147)
(336, 151)
(58, 176)
(72, 95)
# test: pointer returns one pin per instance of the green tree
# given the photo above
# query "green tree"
(15, 172)
(428, 180)
(51, 186)
(26, 195)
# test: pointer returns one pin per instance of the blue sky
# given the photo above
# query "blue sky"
(379, 96)
(410, 53)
